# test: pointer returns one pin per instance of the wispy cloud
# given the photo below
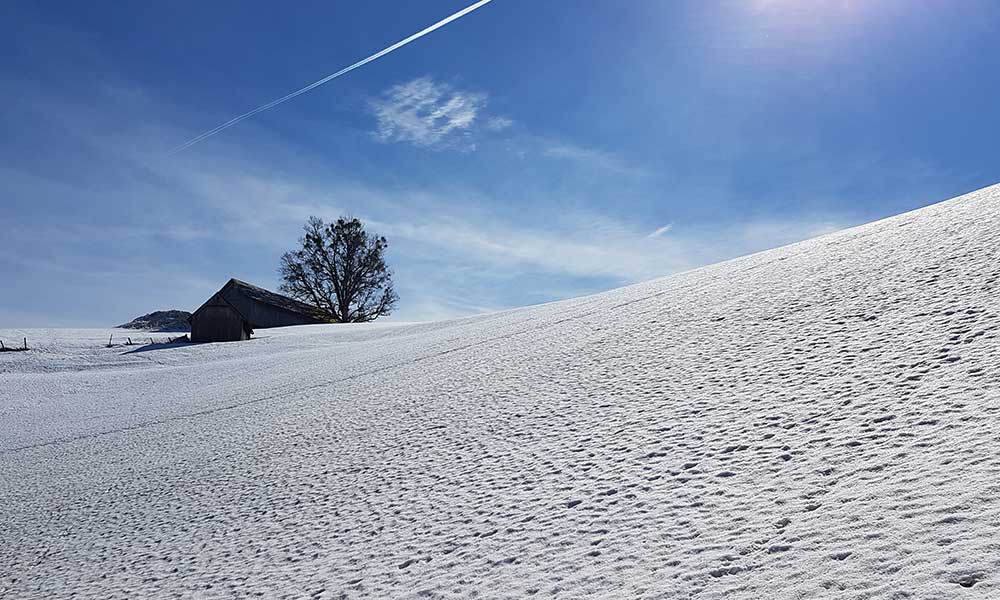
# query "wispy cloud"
(498, 123)
(661, 231)
(514, 249)
(431, 114)
(591, 158)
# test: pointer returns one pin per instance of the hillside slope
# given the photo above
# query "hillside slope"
(819, 420)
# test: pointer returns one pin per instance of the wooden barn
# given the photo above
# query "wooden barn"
(233, 312)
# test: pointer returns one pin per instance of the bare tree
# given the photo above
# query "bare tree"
(341, 269)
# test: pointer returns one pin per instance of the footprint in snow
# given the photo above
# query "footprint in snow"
(967, 579)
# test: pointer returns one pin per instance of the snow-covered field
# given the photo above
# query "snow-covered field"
(820, 420)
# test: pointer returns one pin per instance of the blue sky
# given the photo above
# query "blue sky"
(527, 152)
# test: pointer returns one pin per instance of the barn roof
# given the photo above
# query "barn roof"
(259, 294)
(274, 299)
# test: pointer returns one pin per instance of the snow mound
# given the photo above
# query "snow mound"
(819, 420)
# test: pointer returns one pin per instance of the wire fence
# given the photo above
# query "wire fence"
(22, 348)
(148, 341)
(138, 341)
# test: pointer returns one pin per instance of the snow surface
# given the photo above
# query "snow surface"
(819, 420)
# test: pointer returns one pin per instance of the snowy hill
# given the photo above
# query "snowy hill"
(161, 320)
(819, 420)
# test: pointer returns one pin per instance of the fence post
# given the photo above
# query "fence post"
(2, 346)
(25, 343)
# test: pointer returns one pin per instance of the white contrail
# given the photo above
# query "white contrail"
(316, 84)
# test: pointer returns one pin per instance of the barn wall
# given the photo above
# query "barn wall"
(261, 315)
(217, 323)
